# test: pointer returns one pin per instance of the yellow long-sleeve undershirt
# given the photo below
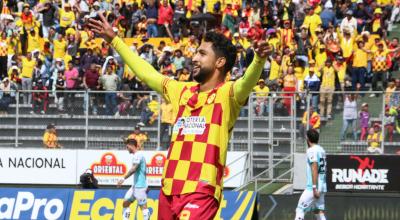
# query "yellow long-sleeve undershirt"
(146, 73)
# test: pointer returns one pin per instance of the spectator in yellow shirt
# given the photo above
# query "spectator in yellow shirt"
(262, 91)
(374, 139)
(321, 57)
(312, 21)
(167, 119)
(67, 17)
(28, 64)
(50, 139)
(60, 47)
(183, 75)
(340, 67)
(346, 43)
(275, 70)
(360, 63)
(138, 136)
(328, 84)
(33, 40)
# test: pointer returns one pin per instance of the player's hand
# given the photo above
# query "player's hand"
(120, 182)
(261, 48)
(316, 193)
(102, 28)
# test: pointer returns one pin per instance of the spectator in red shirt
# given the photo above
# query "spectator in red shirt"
(165, 18)
(256, 31)
(40, 99)
(71, 80)
(244, 26)
(91, 83)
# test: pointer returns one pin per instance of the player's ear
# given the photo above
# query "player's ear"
(220, 63)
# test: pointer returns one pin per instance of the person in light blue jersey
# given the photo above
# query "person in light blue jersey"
(138, 190)
(313, 197)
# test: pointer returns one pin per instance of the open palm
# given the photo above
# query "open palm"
(102, 27)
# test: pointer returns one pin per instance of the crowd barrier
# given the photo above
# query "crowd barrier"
(20, 166)
(101, 204)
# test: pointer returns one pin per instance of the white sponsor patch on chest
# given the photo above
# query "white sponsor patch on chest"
(190, 125)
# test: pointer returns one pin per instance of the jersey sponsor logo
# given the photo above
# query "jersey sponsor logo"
(156, 166)
(190, 125)
(108, 166)
(191, 206)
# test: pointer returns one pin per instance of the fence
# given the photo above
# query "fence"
(348, 129)
(97, 119)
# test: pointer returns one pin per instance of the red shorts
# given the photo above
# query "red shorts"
(187, 206)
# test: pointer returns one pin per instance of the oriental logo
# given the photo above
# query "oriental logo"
(156, 166)
(108, 166)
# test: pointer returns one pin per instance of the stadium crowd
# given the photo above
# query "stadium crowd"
(318, 46)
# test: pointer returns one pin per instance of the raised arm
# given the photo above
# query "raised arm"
(244, 85)
(143, 70)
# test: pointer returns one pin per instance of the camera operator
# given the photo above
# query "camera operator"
(88, 181)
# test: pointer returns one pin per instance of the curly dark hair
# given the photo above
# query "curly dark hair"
(222, 47)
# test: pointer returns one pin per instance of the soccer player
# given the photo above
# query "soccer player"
(313, 197)
(206, 111)
(138, 190)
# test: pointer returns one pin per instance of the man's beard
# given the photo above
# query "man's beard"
(203, 75)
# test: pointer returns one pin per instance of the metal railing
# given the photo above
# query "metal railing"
(343, 133)
(266, 181)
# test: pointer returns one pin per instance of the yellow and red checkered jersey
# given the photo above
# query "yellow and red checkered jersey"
(203, 124)
(379, 61)
(3, 48)
(197, 154)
